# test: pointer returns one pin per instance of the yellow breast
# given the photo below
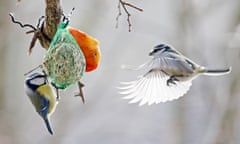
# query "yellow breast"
(48, 92)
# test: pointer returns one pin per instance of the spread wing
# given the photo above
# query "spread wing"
(171, 63)
(152, 88)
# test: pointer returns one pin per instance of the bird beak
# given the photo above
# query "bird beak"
(150, 53)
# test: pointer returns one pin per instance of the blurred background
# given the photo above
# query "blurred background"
(207, 31)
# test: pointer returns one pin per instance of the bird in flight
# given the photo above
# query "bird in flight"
(169, 77)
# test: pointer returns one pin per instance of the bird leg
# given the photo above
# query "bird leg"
(57, 92)
(172, 80)
(80, 86)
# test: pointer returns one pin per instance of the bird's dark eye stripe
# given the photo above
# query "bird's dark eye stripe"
(163, 48)
(167, 48)
(159, 46)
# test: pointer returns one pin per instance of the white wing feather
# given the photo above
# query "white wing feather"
(152, 88)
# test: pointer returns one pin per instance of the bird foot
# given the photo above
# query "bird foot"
(57, 93)
(172, 80)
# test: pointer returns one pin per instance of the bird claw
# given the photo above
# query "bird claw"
(172, 80)
(58, 97)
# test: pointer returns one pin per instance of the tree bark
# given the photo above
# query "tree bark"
(53, 13)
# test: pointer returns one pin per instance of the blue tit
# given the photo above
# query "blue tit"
(42, 96)
(169, 77)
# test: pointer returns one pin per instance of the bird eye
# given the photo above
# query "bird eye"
(167, 48)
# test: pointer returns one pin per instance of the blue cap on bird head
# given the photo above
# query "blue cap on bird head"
(160, 47)
(35, 80)
(35, 75)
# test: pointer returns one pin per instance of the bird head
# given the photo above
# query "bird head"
(35, 80)
(160, 49)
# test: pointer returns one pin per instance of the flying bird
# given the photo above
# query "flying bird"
(169, 77)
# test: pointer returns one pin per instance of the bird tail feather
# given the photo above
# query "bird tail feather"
(48, 125)
(216, 72)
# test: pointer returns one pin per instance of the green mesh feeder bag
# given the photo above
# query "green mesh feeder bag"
(64, 62)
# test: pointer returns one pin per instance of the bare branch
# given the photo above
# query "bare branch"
(44, 31)
(123, 5)
(80, 86)
(119, 14)
(53, 13)
(22, 25)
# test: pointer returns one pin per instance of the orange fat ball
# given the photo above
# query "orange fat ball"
(89, 47)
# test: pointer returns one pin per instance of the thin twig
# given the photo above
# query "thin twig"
(133, 6)
(22, 25)
(124, 5)
(119, 14)
(40, 21)
(39, 66)
(38, 31)
(80, 86)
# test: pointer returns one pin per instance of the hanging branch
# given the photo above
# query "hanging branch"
(38, 31)
(47, 25)
(45, 32)
(123, 5)
(53, 13)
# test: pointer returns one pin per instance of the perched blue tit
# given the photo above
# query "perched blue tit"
(169, 77)
(42, 96)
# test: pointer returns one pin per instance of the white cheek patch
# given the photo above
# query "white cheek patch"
(38, 81)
